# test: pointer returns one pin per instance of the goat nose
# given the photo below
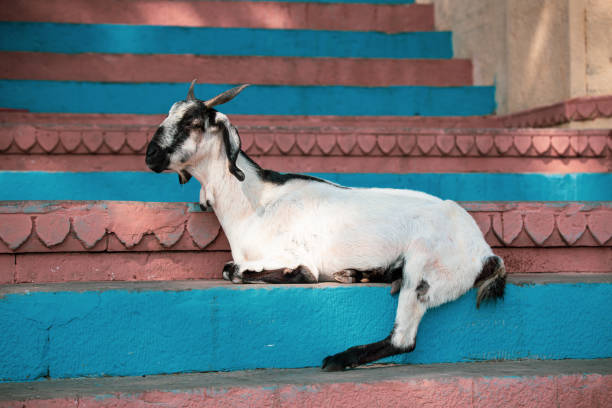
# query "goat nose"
(153, 150)
(156, 158)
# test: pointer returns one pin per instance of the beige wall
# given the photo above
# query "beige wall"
(536, 52)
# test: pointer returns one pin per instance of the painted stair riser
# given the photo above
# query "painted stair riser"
(8, 116)
(337, 164)
(158, 265)
(151, 187)
(62, 333)
(119, 39)
(221, 69)
(154, 98)
(227, 14)
(565, 384)
(303, 148)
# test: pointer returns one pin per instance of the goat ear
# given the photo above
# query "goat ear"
(232, 144)
(225, 96)
(184, 176)
(190, 94)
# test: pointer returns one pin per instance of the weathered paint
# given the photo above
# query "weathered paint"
(130, 39)
(237, 69)
(120, 330)
(141, 186)
(575, 384)
(149, 98)
(185, 13)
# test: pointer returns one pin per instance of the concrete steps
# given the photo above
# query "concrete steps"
(303, 58)
(568, 383)
(142, 328)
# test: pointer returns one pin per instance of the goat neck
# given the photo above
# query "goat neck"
(232, 200)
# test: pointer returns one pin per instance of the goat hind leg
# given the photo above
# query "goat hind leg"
(402, 339)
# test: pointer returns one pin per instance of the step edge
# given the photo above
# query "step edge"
(76, 387)
(207, 284)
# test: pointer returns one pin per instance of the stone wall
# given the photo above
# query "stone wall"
(536, 52)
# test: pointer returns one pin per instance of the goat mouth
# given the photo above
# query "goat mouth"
(158, 167)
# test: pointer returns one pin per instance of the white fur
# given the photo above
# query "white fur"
(327, 229)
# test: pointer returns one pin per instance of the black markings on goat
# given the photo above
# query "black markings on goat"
(491, 282)
(367, 353)
(421, 290)
(301, 274)
(277, 178)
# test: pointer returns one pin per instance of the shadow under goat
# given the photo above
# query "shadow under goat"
(291, 228)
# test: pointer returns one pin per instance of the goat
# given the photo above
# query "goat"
(292, 228)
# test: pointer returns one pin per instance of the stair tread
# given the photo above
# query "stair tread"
(300, 376)
(519, 279)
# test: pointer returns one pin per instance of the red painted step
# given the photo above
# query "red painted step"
(565, 383)
(91, 241)
(236, 69)
(279, 15)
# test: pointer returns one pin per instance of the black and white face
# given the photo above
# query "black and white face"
(177, 138)
(187, 134)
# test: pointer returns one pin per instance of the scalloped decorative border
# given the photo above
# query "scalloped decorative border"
(577, 109)
(130, 226)
(323, 141)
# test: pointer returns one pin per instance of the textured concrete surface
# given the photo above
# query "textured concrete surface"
(576, 383)
(279, 15)
(153, 328)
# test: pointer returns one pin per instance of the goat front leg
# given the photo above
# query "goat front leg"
(301, 274)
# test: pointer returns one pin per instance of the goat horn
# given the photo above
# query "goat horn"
(225, 96)
(190, 94)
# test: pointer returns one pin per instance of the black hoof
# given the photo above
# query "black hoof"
(337, 362)
(230, 272)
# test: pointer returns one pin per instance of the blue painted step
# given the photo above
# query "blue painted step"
(143, 186)
(130, 39)
(121, 329)
(154, 98)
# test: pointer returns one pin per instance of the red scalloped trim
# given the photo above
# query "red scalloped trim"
(577, 109)
(323, 141)
(129, 226)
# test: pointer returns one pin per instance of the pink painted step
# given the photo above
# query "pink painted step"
(308, 144)
(236, 69)
(276, 15)
(565, 383)
(90, 241)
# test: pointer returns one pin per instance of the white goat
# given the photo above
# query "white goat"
(288, 228)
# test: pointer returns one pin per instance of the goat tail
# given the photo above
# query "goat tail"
(491, 282)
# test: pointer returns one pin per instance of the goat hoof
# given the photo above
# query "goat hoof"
(337, 362)
(230, 272)
(348, 276)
